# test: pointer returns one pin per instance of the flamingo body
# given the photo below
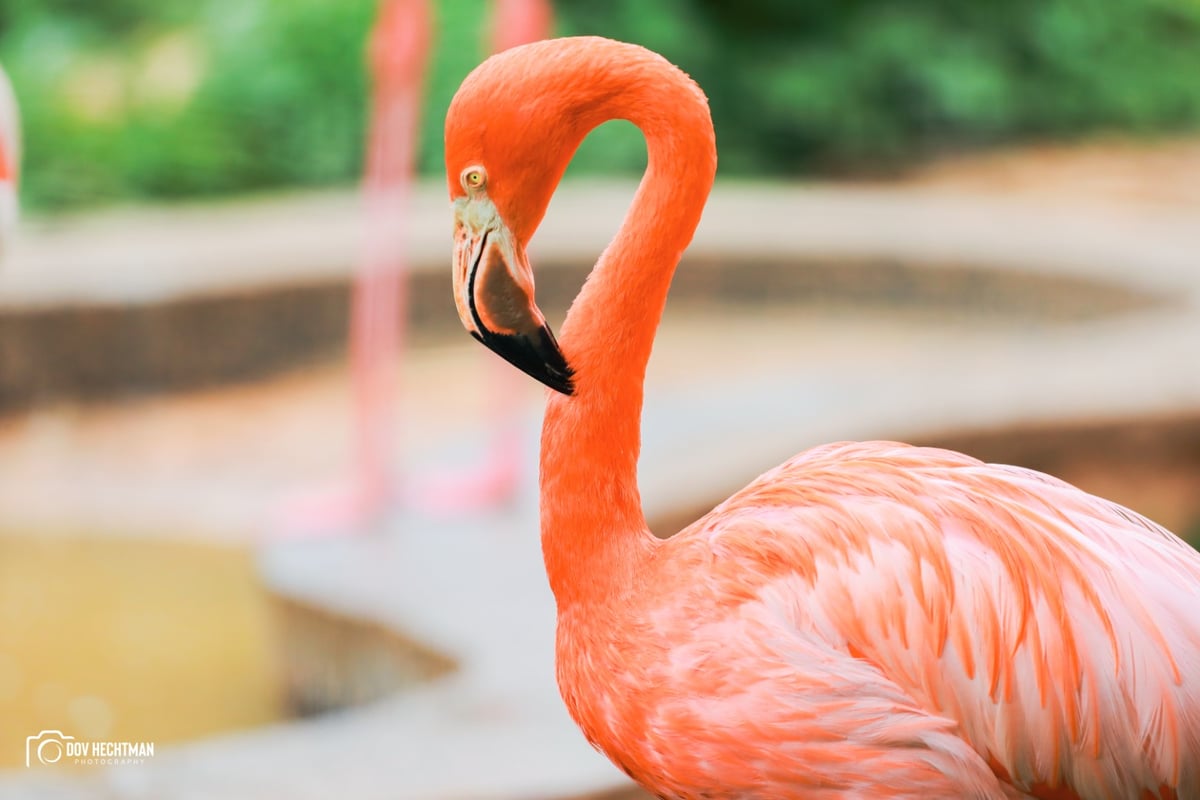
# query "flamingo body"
(866, 620)
(873, 619)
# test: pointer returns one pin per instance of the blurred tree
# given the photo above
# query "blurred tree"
(171, 98)
(800, 85)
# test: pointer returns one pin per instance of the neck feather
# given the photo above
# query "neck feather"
(593, 529)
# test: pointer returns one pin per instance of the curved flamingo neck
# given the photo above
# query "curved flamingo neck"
(593, 529)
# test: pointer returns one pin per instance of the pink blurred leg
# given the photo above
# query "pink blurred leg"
(10, 158)
(518, 22)
(399, 46)
(495, 480)
(398, 50)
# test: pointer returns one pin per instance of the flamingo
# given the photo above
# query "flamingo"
(868, 619)
(398, 49)
(398, 55)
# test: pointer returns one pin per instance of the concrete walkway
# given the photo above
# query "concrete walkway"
(739, 391)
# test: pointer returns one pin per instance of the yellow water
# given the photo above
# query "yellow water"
(121, 640)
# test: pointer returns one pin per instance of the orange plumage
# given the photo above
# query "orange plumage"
(866, 620)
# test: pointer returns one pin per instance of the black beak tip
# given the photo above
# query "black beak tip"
(563, 384)
(536, 354)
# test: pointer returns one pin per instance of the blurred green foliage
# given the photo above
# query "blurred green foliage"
(851, 85)
(181, 98)
(171, 98)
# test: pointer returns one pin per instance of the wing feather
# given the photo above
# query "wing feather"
(1058, 629)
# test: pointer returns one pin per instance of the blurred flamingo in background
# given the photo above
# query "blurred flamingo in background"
(866, 620)
(398, 54)
(518, 22)
(496, 478)
(10, 158)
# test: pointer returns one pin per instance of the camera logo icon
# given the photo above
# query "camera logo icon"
(48, 747)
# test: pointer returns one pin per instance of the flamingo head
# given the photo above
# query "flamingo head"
(510, 132)
(493, 288)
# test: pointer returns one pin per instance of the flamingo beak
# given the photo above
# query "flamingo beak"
(493, 292)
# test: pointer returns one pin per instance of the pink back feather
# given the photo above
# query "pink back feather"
(871, 609)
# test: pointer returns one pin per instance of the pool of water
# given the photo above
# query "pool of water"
(117, 639)
(166, 641)
(104, 638)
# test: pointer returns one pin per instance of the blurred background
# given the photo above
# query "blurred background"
(263, 504)
(134, 99)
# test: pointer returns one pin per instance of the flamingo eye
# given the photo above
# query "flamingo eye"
(474, 178)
